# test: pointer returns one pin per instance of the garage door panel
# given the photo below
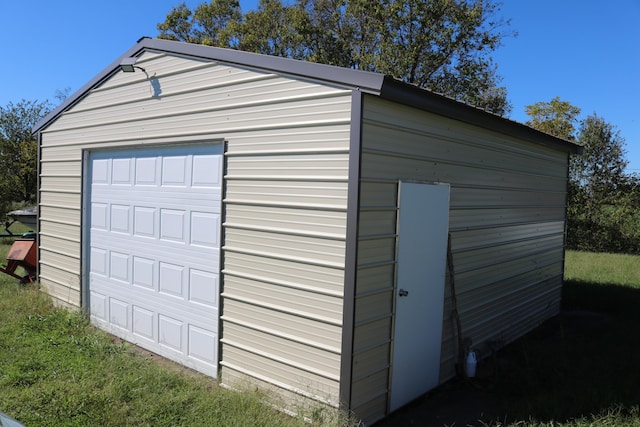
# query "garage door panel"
(119, 267)
(99, 215)
(174, 171)
(205, 229)
(199, 312)
(147, 169)
(100, 171)
(159, 326)
(121, 171)
(146, 172)
(119, 313)
(199, 225)
(199, 257)
(144, 222)
(202, 344)
(200, 285)
(99, 261)
(143, 323)
(99, 305)
(120, 218)
(191, 255)
(171, 281)
(201, 176)
(173, 226)
(163, 199)
(155, 249)
(144, 272)
(170, 333)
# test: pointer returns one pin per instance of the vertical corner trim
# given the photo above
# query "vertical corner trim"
(351, 258)
(39, 185)
(85, 191)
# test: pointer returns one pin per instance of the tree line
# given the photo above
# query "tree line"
(603, 206)
(441, 45)
(19, 153)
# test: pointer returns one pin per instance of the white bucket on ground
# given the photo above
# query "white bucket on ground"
(472, 363)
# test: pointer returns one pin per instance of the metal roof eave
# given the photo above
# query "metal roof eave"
(403, 93)
(364, 81)
(80, 93)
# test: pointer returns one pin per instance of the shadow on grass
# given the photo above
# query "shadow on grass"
(580, 364)
(583, 362)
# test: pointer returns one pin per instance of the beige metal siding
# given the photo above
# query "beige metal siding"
(284, 203)
(284, 263)
(507, 223)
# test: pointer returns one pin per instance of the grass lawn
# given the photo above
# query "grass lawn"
(581, 369)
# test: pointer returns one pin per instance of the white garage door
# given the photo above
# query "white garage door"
(154, 249)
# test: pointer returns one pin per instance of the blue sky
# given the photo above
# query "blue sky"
(585, 51)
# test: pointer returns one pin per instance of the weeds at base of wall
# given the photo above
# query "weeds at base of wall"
(306, 411)
(328, 416)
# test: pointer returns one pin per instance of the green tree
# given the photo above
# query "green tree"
(556, 117)
(213, 24)
(272, 29)
(178, 25)
(18, 151)
(604, 203)
(328, 29)
(603, 199)
(217, 22)
(600, 170)
(443, 45)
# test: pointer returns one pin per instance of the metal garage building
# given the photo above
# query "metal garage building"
(286, 222)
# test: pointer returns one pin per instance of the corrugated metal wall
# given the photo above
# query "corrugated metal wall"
(284, 203)
(507, 223)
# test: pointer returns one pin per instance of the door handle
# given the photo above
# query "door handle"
(403, 293)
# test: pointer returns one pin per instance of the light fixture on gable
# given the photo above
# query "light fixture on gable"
(127, 65)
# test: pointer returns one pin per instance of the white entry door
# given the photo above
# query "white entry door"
(423, 224)
(154, 249)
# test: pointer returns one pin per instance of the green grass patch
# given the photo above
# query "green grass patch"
(601, 268)
(16, 228)
(581, 368)
(56, 369)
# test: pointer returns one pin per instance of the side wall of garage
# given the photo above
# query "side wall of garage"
(284, 203)
(507, 212)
